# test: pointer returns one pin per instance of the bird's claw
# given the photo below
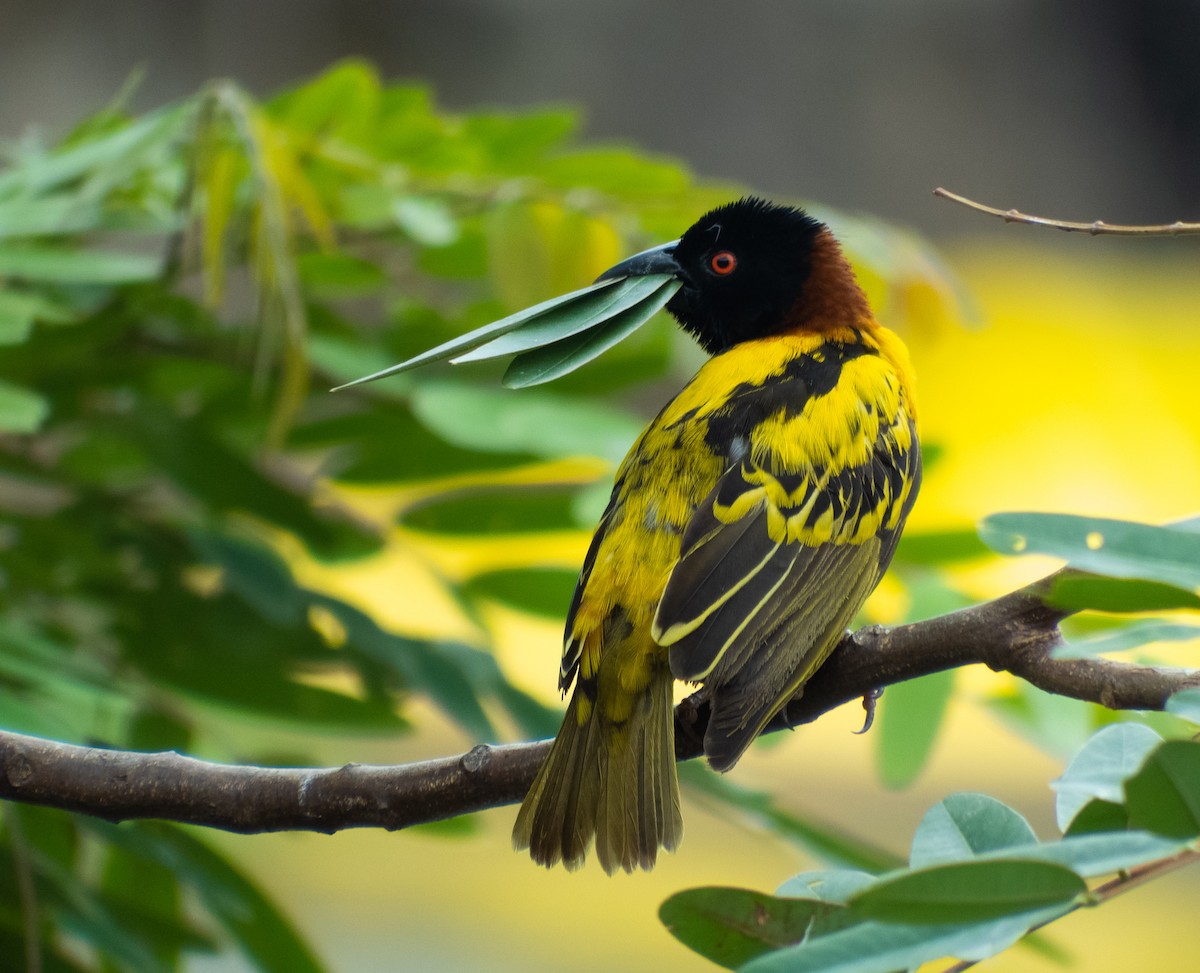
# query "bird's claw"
(870, 700)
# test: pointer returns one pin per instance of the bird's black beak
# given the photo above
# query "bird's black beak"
(657, 260)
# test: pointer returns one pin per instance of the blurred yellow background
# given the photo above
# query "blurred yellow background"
(1078, 394)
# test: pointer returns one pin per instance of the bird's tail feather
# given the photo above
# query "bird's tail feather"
(612, 781)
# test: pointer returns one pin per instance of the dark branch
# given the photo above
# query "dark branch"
(1015, 633)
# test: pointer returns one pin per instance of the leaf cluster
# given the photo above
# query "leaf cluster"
(178, 292)
(977, 878)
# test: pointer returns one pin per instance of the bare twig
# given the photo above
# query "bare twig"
(1014, 633)
(1096, 227)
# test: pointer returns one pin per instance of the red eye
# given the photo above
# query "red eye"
(723, 263)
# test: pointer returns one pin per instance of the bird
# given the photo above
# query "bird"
(746, 527)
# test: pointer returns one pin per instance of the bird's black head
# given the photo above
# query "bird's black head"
(744, 267)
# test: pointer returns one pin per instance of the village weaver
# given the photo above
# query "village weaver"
(747, 526)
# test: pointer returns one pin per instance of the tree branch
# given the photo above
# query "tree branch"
(1096, 227)
(1014, 633)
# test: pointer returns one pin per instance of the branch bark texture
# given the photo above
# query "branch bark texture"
(1015, 634)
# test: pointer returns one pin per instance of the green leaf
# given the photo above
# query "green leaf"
(828, 842)
(182, 641)
(340, 103)
(1077, 592)
(15, 323)
(539, 591)
(1099, 816)
(522, 247)
(1191, 524)
(61, 265)
(648, 355)
(910, 715)
(828, 885)
(877, 947)
(21, 411)
(223, 479)
(1101, 767)
(435, 669)
(731, 926)
(1092, 855)
(939, 547)
(563, 332)
(572, 318)
(969, 891)
(463, 826)
(519, 141)
(1129, 637)
(260, 930)
(537, 423)
(1186, 704)
(145, 897)
(1113, 548)
(1164, 795)
(473, 339)
(340, 357)
(557, 359)
(429, 222)
(118, 149)
(1056, 724)
(963, 826)
(18, 311)
(256, 573)
(88, 917)
(620, 171)
(464, 258)
(60, 214)
(389, 445)
(31, 716)
(27, 656)
(487, 512)
(333, 275)
(930, 595)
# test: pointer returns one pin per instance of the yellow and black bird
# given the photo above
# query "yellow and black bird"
(747, 526)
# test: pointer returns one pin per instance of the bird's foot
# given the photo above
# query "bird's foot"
(688, 712)
(870, 701)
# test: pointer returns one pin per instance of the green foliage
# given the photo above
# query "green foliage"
(1097, 772)
(1112, 548)
(1186, 704)
(166, 434)
(178, 292)
(829, 842)
(163, 440)
(1129, 637)
(909, 721)
(556, 336)
(977, 881)
(732, 926)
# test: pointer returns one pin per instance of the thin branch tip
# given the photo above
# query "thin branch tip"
(1094, 228)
